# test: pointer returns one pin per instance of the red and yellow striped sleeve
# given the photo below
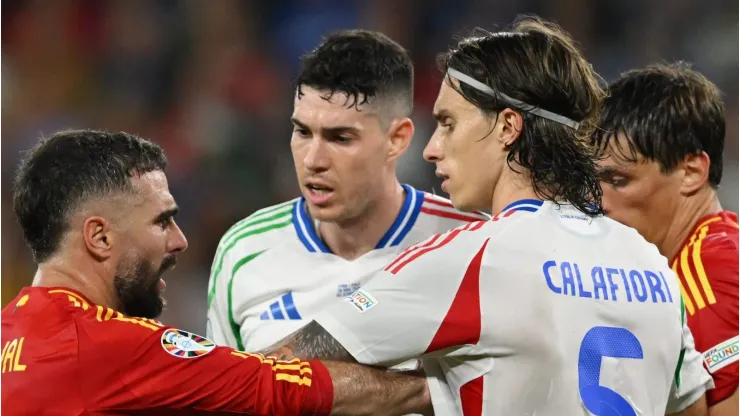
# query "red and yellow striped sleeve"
(134, 367)
(707, 268)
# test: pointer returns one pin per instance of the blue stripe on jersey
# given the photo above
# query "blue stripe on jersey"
(277, 312)
(304, 228)
(529, 205)
(405, 220)
(265, 316)
(290, 306)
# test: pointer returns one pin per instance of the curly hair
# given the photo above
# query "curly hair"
(364, 65)
(536, 62)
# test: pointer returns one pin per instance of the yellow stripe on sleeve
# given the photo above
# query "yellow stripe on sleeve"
(685, 296)
(699, 266)
(686, 272)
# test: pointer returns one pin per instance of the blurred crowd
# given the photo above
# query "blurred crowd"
(210, 81)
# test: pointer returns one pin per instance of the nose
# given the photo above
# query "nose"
(433, 150)
(606, 198)
(316, 159)
(178, 243)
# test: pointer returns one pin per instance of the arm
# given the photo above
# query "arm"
(699, 408)
(727, 407)
(174, 369)
(360, 390)
(715, 323)
(691, 381)
(310, 342)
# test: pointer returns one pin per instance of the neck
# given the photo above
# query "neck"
(511, 187)
(689, 212)
(351, 239)
(65, 272)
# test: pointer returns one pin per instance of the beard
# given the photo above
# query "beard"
(137, 285)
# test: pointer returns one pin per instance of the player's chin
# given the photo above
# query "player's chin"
(330, 212)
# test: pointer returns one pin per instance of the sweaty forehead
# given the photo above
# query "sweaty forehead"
(313, 109)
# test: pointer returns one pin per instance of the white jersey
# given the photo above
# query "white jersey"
(540, 311)
(272, 273)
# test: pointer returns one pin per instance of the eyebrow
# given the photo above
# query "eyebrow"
(327, 131)
(441, 114)
(167, 214)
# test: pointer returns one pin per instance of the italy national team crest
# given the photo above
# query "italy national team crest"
(184, 344)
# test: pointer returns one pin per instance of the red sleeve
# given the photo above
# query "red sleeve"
(134, 364)
(713, 272)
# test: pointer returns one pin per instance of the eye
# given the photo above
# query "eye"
(446, 123)
(164, 222)
(616, 181)
(301, 132)
(342, 139)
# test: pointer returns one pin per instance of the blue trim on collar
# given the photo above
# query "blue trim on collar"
(404, 222)
(529, 205)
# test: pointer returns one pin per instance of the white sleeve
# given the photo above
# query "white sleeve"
(396, 315)
(218, 326)
(691, 380)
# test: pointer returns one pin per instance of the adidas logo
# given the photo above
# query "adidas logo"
(282, 309)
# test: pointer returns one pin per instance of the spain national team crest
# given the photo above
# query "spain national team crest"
(184, 344)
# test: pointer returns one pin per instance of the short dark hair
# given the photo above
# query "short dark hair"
(666, 112)
(70, 168)
(363, 65)
(536, 62)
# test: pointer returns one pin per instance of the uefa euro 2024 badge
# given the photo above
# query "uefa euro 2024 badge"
(185, 344)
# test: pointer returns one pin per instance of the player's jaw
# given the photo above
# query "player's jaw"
(139, 286)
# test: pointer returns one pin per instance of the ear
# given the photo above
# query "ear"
(98, 237)
(400, 134)
(696, 172)
(510, 125)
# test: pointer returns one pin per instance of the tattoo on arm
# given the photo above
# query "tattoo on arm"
(309, 343)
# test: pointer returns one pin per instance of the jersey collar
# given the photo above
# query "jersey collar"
(528, 205)
(404, 222)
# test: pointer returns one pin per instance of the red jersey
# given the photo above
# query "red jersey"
(64, 355)
(707, 267)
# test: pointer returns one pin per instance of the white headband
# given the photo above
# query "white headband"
(512, 101)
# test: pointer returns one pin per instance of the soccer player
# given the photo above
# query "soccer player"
(662, 135)
(97, 213)
(277, 268)
(550, 308)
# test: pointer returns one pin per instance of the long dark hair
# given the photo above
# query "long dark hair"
(538, 63)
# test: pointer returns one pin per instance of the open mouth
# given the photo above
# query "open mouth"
(319, 194)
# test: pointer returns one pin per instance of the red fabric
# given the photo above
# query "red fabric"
(84, 359)
(708, 262)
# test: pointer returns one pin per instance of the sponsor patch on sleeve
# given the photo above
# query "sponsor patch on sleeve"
(362, 300)
(185, 344)
(722, 355)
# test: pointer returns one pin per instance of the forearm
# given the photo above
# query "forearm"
(360, 390)
(728, 406)
(698, 408)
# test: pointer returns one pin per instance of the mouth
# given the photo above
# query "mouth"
(318, 194)
(444, 178)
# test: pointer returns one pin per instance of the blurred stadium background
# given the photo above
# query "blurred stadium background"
(210, 81)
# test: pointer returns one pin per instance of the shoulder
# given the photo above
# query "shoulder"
(262, 224)
(442, 212)
(255, 233)
(714, 245)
